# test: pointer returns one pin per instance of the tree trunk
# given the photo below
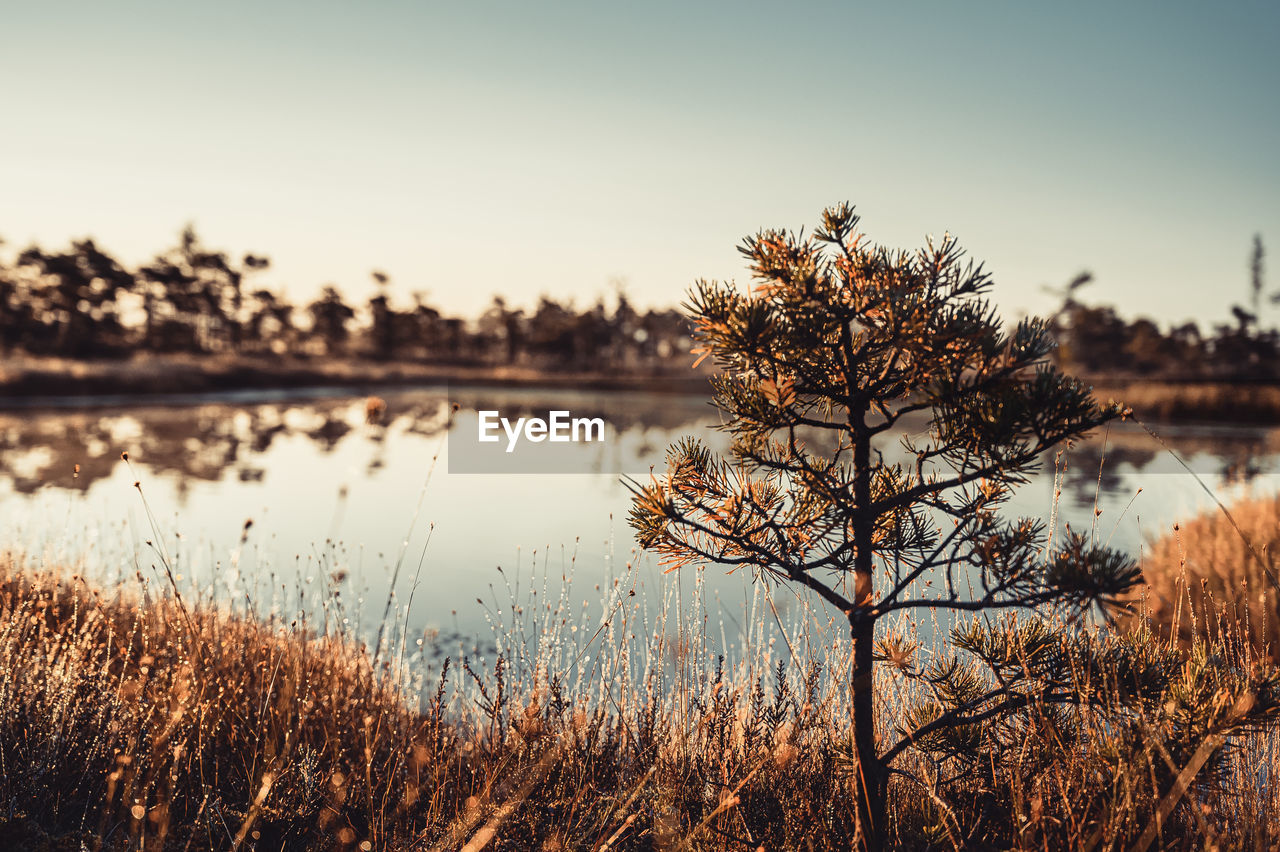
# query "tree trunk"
(871, 775)
(870, 779)
(149, 328)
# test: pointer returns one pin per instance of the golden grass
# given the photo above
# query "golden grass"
(137, 721)
(1212, 579)
(1194, 401)
(129, 721)
(145, 719)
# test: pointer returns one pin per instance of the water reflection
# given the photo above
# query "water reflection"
(206, 443)
(333, 495)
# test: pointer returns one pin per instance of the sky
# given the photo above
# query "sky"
(473, 149)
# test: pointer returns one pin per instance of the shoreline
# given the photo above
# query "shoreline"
(29, 383)
(1207, 402)
(35, 383)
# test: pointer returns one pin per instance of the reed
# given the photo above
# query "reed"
(1215, 578)
(136, 720)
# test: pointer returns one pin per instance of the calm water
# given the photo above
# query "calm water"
(336, 503)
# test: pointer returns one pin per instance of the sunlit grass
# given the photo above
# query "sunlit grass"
(1216, 575)
(137, 720)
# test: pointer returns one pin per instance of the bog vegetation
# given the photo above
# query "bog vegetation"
(149, 723)
(1217, 575)
(149, 717)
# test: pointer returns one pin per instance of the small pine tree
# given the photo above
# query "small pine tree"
(840, 344)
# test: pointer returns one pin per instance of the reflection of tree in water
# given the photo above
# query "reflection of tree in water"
(1235, 455)
(1245, 463)
(263, 437)
(208, 442)
(329, 433)
(195, 443)
(421, 419)
(1088, 472)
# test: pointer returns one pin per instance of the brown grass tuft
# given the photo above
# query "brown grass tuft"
(132, 721)
(1205, 579)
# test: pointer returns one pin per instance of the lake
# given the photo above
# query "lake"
(336, 503)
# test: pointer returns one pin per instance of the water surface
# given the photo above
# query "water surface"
(336, 503)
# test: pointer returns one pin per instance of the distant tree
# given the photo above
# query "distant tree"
(426, 326)
(502, 332)
(1256, 256)
(193, 297)
(458, 342)
(1188, 348)
(1092, 338)
(624, 338)
(249, 265)
(665, 334)
(77, 292)
(329, 319)
(1249, 350)
(839, 341)
(554, 333)
(14, 313)
(270, 322)
(1068, 294)
(382, 329)
(81, 302)
(1146, 350)
(593, 338)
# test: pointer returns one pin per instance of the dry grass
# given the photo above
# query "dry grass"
(1194, 401)
(125, 720)
(24, 376)
(1215, 577)
(143, 722)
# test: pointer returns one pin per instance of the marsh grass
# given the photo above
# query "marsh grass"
(1216, 575)
(1229, 402)
(137, 720)
(152, 717)
(128, 721)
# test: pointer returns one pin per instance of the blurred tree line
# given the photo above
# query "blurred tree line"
(80, 302)
(1094, 339)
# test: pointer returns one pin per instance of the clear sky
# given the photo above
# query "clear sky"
(476, 148)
